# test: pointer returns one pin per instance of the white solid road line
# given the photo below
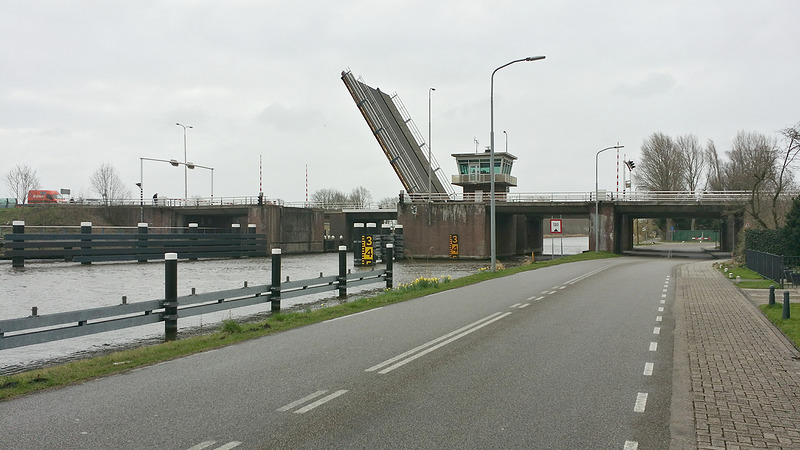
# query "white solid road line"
(469, 329)
(302, 400)
(427, 344)
(321, 401)
(351, 315)
(207, 444)
(641, 402)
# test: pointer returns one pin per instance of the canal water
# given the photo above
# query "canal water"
(58, 287)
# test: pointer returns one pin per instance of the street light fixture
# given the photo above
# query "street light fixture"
(430, 161)
(174, 163)
(186, 166)
(493, 238)
(597, 199)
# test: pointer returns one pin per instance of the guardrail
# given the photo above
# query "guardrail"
(37, 328)
(87, 247)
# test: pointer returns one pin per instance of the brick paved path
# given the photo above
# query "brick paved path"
(743, 387)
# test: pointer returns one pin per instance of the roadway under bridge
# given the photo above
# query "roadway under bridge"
(519, 218)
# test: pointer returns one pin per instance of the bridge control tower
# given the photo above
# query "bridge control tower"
(475, 176)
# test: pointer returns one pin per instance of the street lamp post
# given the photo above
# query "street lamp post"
(504, 132)
(597, 199)
(430, 161)
(174, 163)
(185, 163)
(493, 238)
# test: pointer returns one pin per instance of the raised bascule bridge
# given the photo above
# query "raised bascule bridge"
(433, 214)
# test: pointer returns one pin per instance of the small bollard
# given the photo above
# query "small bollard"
(34, 311)
(786, 313)
(342, 278)
(124, 299)
(170, 296)
(275, 288)
(738, 279)
(389, 265)
(771, 295)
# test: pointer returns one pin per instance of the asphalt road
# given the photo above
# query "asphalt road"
(571, 356)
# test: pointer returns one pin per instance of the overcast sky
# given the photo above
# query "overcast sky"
(84, 83)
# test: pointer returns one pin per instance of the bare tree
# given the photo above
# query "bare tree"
(107, 183)
(715, 179)
(329, 198)
(360, 197)
(388, 203)
(21, 179)
(663, 167)
(694, 160)
(753, 166)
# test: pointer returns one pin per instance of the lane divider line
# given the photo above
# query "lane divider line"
(586, 275)
(631, 445)
(428, 344)
(321, 401)
(660, 309)
(641, 402)
(659, 318)
(515, 305)
(524, 305)
(439, 342)
(654, 346)
(656, 330)
(301, 401)
(648, 369)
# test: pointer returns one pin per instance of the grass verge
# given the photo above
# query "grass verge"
(230, 332)
(789, 327)
(750, 279)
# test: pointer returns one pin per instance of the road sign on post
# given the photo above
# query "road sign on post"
(555, 226)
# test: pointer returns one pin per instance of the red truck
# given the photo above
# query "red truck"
(44, 196)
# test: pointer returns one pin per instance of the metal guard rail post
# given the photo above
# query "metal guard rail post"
(37, 329)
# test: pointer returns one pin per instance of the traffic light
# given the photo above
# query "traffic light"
(630, 164)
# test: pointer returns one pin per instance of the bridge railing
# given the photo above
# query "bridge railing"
(604, 195)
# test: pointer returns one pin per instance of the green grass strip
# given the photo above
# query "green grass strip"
(230, 332)
(790, 327)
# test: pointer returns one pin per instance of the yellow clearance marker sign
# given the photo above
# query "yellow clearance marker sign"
(454, 246)
(367, 252)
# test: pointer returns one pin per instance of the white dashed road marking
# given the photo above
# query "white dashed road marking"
(648, 369)
(321, 401)
(656, 330)
(653, 346)
(207, 444)
(641, 402)
(631, 445)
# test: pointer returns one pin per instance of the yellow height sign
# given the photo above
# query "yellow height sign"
(454, 246)
(367, 252)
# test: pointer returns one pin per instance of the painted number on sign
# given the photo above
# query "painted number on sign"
(454, 246)
(555, 226)
(367, 252)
